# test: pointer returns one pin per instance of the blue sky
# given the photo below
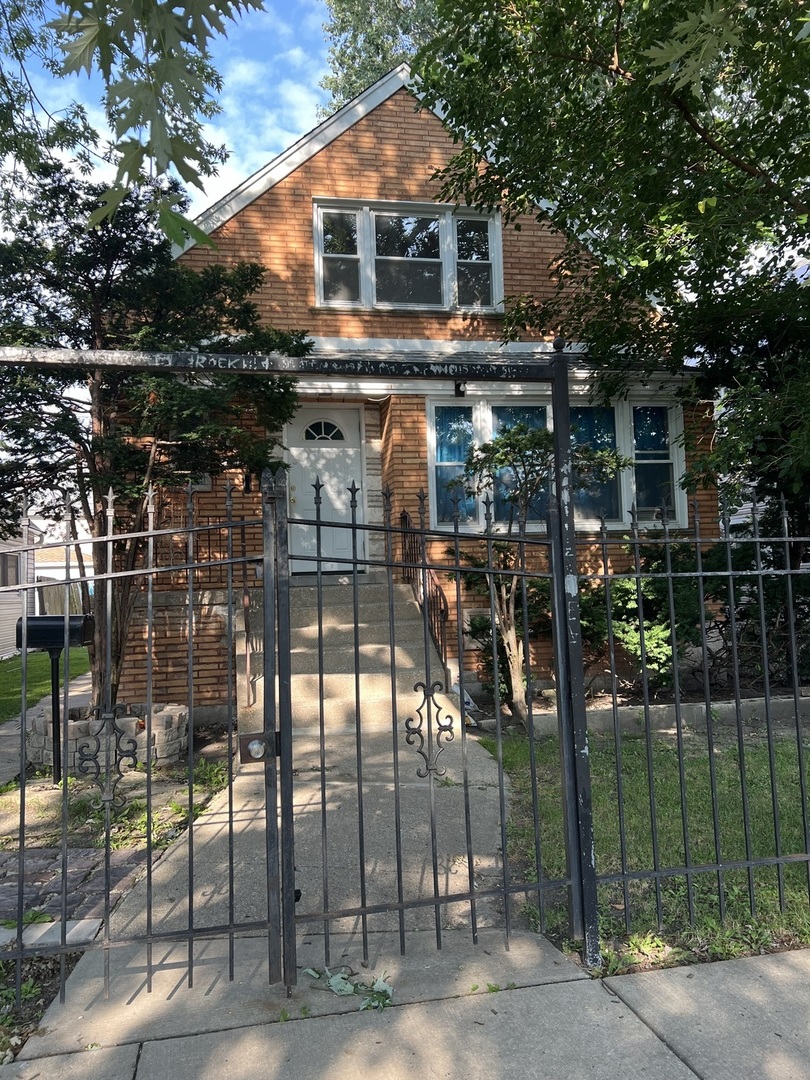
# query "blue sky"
(271, 63)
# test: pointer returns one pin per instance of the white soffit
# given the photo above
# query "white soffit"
(300, 152)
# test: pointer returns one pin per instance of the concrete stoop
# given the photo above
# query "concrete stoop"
(357, 656)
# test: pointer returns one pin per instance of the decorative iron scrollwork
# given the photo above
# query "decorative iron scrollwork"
(104, 753)
(436, 737)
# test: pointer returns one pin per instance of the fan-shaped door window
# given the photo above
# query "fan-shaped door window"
(323, 431)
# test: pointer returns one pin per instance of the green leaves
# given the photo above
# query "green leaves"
(87, 38)
(668, 144)
(116, 286)
(375, 992)
(159, 85)
(368, 38)
(695, 46)
(177, 227)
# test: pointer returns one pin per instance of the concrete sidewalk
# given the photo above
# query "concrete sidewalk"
(742, 1018)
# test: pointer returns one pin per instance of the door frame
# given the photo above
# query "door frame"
(325, 407)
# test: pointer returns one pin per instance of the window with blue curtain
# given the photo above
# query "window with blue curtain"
(595, 427)
(504, 417)
(454, 439)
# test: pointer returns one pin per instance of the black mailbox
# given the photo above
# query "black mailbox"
(48, 631)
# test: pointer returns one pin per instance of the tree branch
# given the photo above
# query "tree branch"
(617, 36)
(744, 166)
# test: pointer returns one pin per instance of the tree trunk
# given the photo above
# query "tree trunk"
(513, 647)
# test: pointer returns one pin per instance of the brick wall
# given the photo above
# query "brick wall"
(170, 656)
(390, 154)
(404, 452)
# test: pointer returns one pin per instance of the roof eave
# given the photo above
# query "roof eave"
(300, 152)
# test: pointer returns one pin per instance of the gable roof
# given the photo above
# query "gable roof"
(301, 151)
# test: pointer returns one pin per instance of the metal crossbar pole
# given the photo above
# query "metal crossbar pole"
(572, 692)
(273, 882)
(285, 763)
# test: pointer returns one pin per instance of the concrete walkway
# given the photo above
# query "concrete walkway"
(739, 1019)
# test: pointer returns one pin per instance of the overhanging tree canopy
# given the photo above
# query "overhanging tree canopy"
(69, 434)
(369, 37)
(159, 89)
(669, 144)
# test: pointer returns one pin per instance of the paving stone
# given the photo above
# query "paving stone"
(87, 865)
(39, 877)
(125, 856)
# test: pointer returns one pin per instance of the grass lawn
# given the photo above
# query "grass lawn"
(686, 916)
(39, 678)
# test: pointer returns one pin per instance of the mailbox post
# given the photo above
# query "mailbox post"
(47, 632)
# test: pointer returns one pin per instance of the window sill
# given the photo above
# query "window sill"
(405, 309)
(586, 528)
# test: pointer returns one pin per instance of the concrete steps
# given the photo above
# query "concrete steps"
(371, 658)
(345, 673)
(338, 603)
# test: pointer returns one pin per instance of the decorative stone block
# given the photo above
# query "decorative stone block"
(168, 742)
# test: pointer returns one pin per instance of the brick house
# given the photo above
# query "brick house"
(389, 283)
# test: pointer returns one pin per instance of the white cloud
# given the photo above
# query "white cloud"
(271, 63)
(315, 14)
(295, 57)
(270, 94)
(268, 23)
(244, 74)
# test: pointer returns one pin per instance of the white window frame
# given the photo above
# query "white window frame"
(623, 411)
(446, 215)
(624, 423)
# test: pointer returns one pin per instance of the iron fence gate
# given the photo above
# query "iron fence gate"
(405, 816)
(149, 804)
(273, 737)
(370, 798)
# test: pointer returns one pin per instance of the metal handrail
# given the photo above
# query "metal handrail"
(425, 584)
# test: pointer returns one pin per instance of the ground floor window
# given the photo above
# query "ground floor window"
(645, 433)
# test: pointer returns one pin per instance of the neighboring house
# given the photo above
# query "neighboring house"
(12, 572)
(57, 573)
(16, 567)
(40, 561)
(394, 288)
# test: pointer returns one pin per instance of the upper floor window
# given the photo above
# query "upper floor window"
(414, 256)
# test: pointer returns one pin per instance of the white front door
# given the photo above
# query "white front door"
(324, 444)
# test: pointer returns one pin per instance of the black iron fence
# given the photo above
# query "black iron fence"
(697, 645)
(424, 580)
(639, 759)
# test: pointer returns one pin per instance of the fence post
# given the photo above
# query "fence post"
(285, 762)
(584, 915)
(270, 497)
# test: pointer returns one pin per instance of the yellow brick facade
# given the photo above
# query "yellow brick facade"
(390, 154)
